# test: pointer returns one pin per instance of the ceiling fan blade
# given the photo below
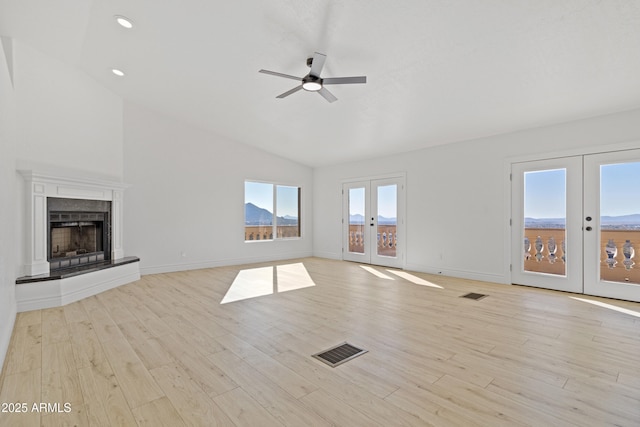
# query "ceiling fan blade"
(287, 76)
(289, 92)
(344, 80)
(327, 95)
(317, 64)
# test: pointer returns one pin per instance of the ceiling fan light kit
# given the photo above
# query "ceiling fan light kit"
(124, 22)
(312, 82)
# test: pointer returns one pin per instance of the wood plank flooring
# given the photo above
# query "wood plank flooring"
(165, 351)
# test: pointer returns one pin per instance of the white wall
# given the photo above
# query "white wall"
(8, 179)
(457, 194)
(66, 121)
(67, 124)
(53, 119)
(187, 196)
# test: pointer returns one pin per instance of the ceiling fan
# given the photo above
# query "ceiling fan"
(312, 82)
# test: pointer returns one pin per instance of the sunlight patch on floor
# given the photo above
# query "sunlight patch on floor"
(376, 272)
(290, 277)
(250, 283)
(609, 306)
(414, 279)
(257, 282)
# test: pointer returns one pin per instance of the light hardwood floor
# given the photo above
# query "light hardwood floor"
(165, 351)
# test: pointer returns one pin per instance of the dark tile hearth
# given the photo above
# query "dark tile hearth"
(76, 271)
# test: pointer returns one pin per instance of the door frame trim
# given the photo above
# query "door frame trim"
(594, 284)
(509, 161)
(402, 175)
(572, 280)
(402, 207)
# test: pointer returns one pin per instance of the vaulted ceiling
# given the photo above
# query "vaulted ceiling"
(438, 71)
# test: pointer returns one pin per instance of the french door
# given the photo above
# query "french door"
(373, 221)
(576, 224)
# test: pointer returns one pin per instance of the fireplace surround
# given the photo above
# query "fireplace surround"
(48, 194)
(73, 240)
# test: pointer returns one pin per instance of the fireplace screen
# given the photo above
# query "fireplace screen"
(77, 238)
(74, 238)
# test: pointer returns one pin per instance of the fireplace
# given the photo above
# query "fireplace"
(79, 232)
(73, 240)
(48, 198)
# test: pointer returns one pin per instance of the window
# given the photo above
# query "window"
(261, 220)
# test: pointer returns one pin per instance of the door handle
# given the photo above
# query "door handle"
(589, 228)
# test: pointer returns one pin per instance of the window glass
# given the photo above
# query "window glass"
(288, 209)
(258, 208)
(261, 220)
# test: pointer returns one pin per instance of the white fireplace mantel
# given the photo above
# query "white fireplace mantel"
(39, 186)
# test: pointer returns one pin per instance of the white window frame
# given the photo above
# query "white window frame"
(274, 222)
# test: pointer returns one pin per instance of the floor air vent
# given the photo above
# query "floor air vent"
(474, 296)
(339, 354)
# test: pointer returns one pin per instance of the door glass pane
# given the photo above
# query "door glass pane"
(545, 210)
(356, 220)
(387, 220)
(619, 222)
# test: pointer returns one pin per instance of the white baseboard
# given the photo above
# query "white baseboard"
(170, 268)
(462, 274)
(328, 255)
(56, 293)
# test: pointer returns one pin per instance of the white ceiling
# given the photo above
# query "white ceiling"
(438, 71)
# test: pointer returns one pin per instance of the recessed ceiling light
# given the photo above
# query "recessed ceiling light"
(124, 21)
(117, 72)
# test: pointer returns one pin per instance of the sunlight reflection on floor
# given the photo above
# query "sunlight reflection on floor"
(256, 282)
(376, 272)
(414, 279)
(609, 306)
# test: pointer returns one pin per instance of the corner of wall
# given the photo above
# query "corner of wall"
(7, 48)
(327, 255)
(8, 142)
(6, 330)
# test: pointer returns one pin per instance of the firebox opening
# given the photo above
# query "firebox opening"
(75, 238)
(78, 238)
